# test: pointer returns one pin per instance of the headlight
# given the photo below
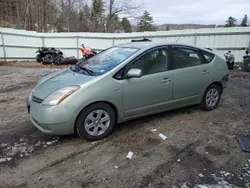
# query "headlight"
(58, 96)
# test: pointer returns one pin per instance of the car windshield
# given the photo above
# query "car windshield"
(107, 60)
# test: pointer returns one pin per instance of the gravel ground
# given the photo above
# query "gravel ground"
(201, 149)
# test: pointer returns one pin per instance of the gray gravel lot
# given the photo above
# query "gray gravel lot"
(201, 149)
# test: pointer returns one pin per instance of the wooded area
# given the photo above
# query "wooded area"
(83, 16)
(67, 15)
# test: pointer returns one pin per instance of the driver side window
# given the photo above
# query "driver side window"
(152, 62)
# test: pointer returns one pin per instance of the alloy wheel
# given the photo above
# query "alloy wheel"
(97, 122)
(212, 97)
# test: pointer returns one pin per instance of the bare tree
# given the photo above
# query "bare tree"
(117, 7)
(64, 15)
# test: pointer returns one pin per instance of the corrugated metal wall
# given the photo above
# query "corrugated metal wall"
(20, 44)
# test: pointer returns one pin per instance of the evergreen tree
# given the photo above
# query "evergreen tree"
(244, 21)
(231, 22)
(146, 22)
(126, 26)
(85, 19)
(97, 15)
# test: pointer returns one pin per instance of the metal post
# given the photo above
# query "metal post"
(77, 45)
(195, 38)
(113, 42)
(4, 52)
(249, 45)
(43, 44)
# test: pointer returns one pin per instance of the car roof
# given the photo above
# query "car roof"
(139, 45)
(149, 44)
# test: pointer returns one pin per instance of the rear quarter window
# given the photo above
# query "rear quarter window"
(208, 56)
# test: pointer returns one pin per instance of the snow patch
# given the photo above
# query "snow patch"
(4, 159)
(221, 184)
(22, 149)
(3, 145)
(201, 175)
(52, 142)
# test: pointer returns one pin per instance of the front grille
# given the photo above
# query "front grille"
(36, 99)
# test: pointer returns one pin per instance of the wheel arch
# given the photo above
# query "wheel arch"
(202, 101)
(217, 83)
(106, 102)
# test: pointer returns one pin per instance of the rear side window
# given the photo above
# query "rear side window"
(186, 57)
(208, 56)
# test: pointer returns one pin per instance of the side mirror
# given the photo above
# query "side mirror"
(134, 73)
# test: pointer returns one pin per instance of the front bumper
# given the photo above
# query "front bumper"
(52, 120)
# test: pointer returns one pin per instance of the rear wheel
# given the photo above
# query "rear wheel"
(230, 66)
(48, 59)
(39, 58)
(247, 66)
(96, 122)
(211, 97)
(58, 60)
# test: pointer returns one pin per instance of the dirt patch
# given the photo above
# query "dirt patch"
(16, 87)
(216, 151)
(201, 149)
(24, 64)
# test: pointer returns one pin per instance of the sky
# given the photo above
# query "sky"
(195, 11)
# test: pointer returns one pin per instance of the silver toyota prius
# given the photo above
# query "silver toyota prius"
(125, 82)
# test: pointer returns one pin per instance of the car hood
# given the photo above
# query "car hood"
(53, 82)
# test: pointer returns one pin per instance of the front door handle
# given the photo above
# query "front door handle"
(205, 72)
(166, 80)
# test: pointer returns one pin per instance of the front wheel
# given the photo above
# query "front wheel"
(95, 122)
(211, 97)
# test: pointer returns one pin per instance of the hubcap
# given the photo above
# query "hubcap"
(97, 122)
(212, 97)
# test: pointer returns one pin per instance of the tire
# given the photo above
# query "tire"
(60, 58)
(214, 101)
(247, 66)
(39, 58)
(89, 116)
(49, 58)
(231, 66)
(69, 61)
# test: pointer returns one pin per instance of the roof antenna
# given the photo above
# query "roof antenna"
(178, 39)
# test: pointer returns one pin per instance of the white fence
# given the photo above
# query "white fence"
(22, 45)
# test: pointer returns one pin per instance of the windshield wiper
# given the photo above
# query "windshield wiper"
(90, 72)
(77, 68)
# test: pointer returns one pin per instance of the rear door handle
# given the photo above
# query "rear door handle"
(166, 80)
